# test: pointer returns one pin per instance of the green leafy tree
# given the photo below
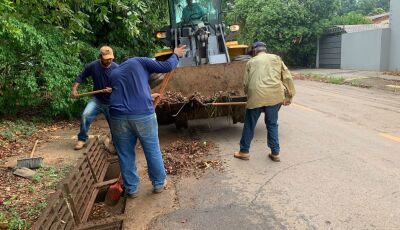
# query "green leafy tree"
(369, 7)
(378, 11)
(347, 6)
(290, 28)
(365, 7)
(351, 18)
(45, 44)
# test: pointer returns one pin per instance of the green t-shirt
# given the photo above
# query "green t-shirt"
(193, 13)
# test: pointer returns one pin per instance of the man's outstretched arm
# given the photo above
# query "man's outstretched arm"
(154, 66)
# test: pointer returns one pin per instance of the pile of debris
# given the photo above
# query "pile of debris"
(172, 97)
(393, 73)
(217, 96)
(99, 211)
(186, 157)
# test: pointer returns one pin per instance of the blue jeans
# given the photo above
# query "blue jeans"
(92, 109)
(126, 129)
(271, 122)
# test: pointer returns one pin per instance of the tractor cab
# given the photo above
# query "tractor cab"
(194, 12)
(198, 25)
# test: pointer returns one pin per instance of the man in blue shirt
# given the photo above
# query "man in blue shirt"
(100, 71)
(132, 117)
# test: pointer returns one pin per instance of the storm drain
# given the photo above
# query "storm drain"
(72, 206)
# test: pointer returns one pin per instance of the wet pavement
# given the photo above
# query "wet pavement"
(340, 155)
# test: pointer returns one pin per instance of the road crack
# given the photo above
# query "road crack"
(252, 203)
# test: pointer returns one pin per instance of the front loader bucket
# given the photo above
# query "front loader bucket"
(192, 90)
(208, 79)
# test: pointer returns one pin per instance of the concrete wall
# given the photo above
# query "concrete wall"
(367, 50)
(395, 35)
(385, 50)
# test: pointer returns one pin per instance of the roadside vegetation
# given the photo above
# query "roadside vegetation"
(22, 200)
(321, 78)
(45, 44)
(360, 82)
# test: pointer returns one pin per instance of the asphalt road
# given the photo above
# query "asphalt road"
(340, 169)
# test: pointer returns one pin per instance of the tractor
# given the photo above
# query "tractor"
(210, 74)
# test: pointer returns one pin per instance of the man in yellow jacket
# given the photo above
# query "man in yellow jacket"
(268, 85)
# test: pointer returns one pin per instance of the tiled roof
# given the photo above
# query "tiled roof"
(355, 28)
(373, 17)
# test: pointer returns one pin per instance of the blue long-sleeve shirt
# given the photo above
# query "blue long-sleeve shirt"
(100, 76)
(130, 85)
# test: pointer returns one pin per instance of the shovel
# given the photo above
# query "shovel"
(92, 93)
(114, 192)
(227, 103)
(31, 162)
(163, 86)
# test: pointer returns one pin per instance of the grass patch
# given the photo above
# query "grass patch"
(11, 217)
(10, 130)
(49, 177)
(358, 83)
(17, 223)
(27, 199)
(327, 79)
(34, 211)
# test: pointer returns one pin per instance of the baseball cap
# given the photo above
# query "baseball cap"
(106, 52)
(258, 44)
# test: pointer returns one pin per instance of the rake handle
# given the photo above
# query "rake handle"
(164, 85)
(34, 148)
(91, 93)
(226, 103)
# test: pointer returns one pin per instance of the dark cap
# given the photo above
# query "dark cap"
(258, 44)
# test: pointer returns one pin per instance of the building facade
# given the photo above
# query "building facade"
(363, 47)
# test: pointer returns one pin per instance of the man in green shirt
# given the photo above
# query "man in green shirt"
(268, 84)
(192, 13)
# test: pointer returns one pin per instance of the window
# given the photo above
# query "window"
(194, 11)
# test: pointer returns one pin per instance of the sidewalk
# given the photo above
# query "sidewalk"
(347, 74)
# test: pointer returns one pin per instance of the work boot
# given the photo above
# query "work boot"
(274, 157)
(79, 145)
(161, 188)
(242, 156)
(132, 195)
